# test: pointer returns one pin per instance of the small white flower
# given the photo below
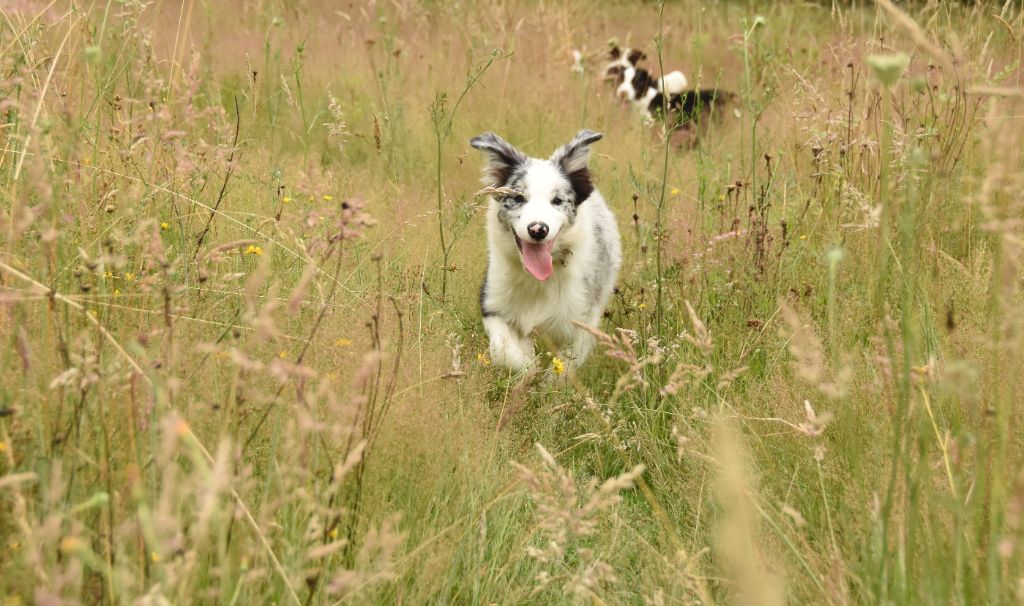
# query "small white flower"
(577, 61)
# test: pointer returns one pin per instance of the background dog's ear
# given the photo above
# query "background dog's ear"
(636, 57)
(502, 158)
(572, 159)
(614, 53)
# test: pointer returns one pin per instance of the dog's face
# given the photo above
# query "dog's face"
(620, 59)
(540, 197)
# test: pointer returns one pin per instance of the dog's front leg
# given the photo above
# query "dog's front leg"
(508, 348)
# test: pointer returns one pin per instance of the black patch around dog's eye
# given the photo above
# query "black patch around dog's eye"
(557, 201)
(582, 186)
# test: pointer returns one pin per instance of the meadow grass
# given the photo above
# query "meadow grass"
(243, 363)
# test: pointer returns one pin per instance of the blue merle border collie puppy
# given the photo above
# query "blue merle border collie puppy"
(553, 251)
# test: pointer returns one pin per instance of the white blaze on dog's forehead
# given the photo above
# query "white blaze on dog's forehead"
(541, 183)
(543, 180)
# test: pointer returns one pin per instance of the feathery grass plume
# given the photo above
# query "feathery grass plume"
(376, 134)
(455, 346)
(738, 537)
(336, 127)
(622, 346)
(566, 517)
(690, 374)
(808, 355)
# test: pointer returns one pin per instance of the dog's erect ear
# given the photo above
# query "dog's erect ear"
(502, 158)
(572, 159)
(636, 57)
(614, 53)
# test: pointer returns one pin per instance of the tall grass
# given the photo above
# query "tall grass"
(218, 247)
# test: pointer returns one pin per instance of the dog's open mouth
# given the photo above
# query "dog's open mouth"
(537, 257)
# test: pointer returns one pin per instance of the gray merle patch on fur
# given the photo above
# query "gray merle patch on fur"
(509, 206)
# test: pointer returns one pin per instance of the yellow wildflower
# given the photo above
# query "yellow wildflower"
(254, 250)
(3, 446)
(164, 225)
(333, 533)
(328, 197)
(343, 342)
(558, 366)
(721, 197)
(117, 291)
(675, 191)
(129, 276)
(483, 359)
(154, 556)
(286, 199)
(642, 306)
(282, 354)
(803, 236)
(108, 274)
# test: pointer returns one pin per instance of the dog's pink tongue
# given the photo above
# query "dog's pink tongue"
(537, 259)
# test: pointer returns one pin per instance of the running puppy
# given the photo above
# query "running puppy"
(684, 107)
(554, 251)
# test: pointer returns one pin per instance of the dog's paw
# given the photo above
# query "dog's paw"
(511, 357)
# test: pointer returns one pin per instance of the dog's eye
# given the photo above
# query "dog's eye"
(557, 201)
(517, 199)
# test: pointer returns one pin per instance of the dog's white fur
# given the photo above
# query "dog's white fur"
(673, 83)
(586, 250)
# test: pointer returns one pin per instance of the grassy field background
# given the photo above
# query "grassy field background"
(242, 359)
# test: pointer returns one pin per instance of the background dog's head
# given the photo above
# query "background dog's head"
(540, 197)
(620, 59)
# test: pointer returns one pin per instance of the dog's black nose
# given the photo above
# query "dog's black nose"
(538, 231)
